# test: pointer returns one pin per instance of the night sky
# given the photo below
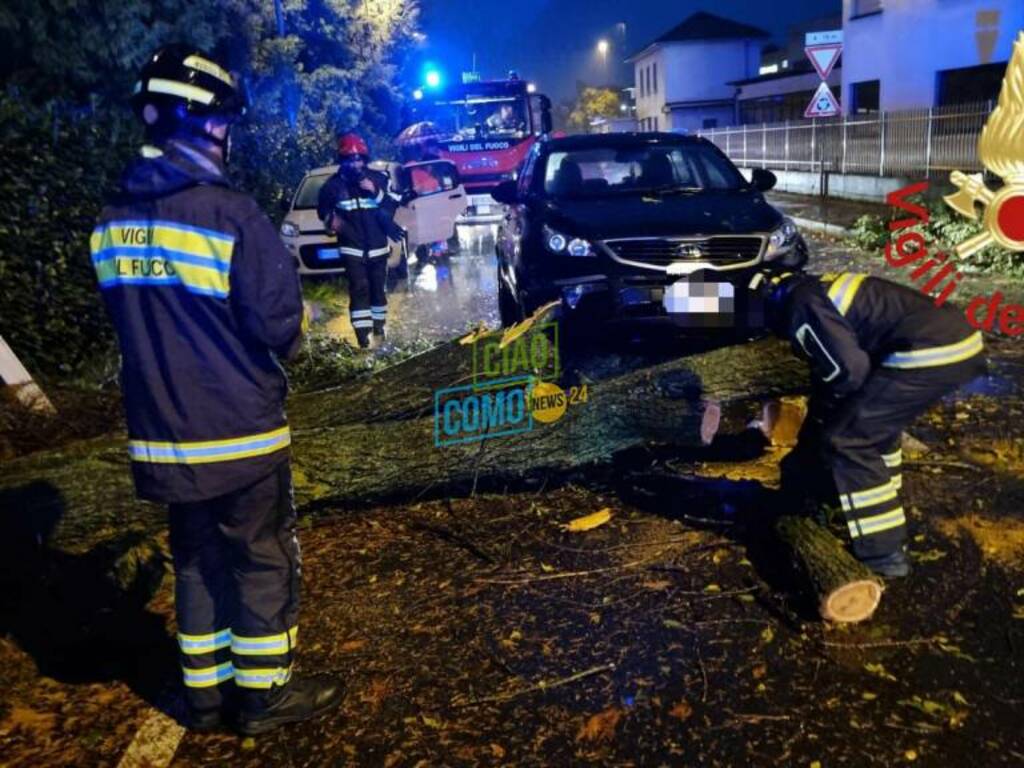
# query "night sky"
(553, 41)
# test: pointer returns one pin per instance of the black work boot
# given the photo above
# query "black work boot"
(204, 720)
(302, 699)
(363, 337)
(379, 330)
(894, 565)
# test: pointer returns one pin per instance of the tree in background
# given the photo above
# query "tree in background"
(591, 103)
(315, 68)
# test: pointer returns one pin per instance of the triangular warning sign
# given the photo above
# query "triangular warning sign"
(823, 104)
(824, 57)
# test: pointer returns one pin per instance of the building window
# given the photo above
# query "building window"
(657, 123)
(709, 122)
(864, 7)
(647, 77)
(960, 86)
(864, 96)
(654, 77)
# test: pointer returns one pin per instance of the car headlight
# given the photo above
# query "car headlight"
(579, 247)
(555, 241)
(289, 230)
(782, 240)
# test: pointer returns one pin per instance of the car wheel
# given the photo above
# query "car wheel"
(508, 308)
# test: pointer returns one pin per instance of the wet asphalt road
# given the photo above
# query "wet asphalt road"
(441, 298)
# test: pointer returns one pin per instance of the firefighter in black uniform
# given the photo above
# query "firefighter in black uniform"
(206, 301)
(355, 205)
(880, 355)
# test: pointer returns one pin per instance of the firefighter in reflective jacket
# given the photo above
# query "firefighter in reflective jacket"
(880, 355)
(355, 205)
(205, 301)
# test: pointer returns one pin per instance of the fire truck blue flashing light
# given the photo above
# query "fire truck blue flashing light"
(417, 94)
(433, 78)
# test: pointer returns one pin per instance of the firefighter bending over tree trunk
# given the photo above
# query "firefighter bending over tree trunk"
(355, 205)
(205, 300)
(880, 355)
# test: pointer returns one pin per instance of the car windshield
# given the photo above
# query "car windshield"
(648, 169)
(309, 192)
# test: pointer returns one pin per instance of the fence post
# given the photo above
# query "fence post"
(785, 161)
(928, 147)
(764, 145)
(881, 143)
(744, 145)
(814, 122)
(842, 163)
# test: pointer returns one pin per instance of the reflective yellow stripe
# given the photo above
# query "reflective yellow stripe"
(140, 252)
(208, 676)
(263, 677)
(210, 68)
(893, 459)
(886, 521)
(197, 644)
(935, 356)
(843, 291)
(174, 88)
(269, 645)
(210, 451)
(868, 498)
(897, 482)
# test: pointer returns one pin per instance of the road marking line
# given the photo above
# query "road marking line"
(155, 743)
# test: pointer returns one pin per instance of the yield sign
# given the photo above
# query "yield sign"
(823, 104)
(824, 57)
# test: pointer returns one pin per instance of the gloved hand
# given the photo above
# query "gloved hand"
(408, 196)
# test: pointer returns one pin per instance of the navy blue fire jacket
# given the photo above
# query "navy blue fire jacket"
(205, 300)
(367, 218)
(848, 325)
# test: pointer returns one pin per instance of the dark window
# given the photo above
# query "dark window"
(526, 177)
(865, 97)
(640, 81)
(864, 7)
(775, 109)
(959, 86)
(710, 122)
(654, 78)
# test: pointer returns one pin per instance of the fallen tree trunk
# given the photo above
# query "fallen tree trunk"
(846, 590)
(374, 439)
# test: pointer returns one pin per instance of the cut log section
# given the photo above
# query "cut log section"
(847, 591)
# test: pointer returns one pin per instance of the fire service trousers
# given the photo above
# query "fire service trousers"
(858, 440)
(368, 301)
(237, 571)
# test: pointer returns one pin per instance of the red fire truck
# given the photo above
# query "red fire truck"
(487, 128)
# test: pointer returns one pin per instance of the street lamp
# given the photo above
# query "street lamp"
(602, 48)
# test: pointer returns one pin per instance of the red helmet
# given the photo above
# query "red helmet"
(352, 144)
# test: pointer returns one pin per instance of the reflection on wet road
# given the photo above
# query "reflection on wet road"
(441, 298)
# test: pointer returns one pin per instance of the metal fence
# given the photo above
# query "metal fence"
(908, 143)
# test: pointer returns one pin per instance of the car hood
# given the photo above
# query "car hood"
(706, 213)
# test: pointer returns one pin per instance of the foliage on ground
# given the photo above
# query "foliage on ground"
(944, 231)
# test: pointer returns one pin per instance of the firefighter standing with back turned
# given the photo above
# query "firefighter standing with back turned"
(355, 205)
(880, 355)
(205, 300)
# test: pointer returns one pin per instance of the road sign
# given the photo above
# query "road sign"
(824, 38)
(823, 104)
(824, 57)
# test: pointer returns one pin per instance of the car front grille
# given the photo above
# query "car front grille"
(719, 251)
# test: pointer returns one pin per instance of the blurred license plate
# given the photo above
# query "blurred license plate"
(685, 297)
(327, 254)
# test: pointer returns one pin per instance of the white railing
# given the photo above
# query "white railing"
(906, 143)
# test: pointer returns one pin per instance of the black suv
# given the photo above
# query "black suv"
(653, 227)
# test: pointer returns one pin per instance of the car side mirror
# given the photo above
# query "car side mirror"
(505, 193)
(762, 180)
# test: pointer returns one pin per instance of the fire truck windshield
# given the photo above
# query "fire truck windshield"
(476, 117)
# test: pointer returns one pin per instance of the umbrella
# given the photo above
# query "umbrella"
(419, 133)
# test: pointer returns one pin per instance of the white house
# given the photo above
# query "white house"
(910, 54)
(683, 78)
